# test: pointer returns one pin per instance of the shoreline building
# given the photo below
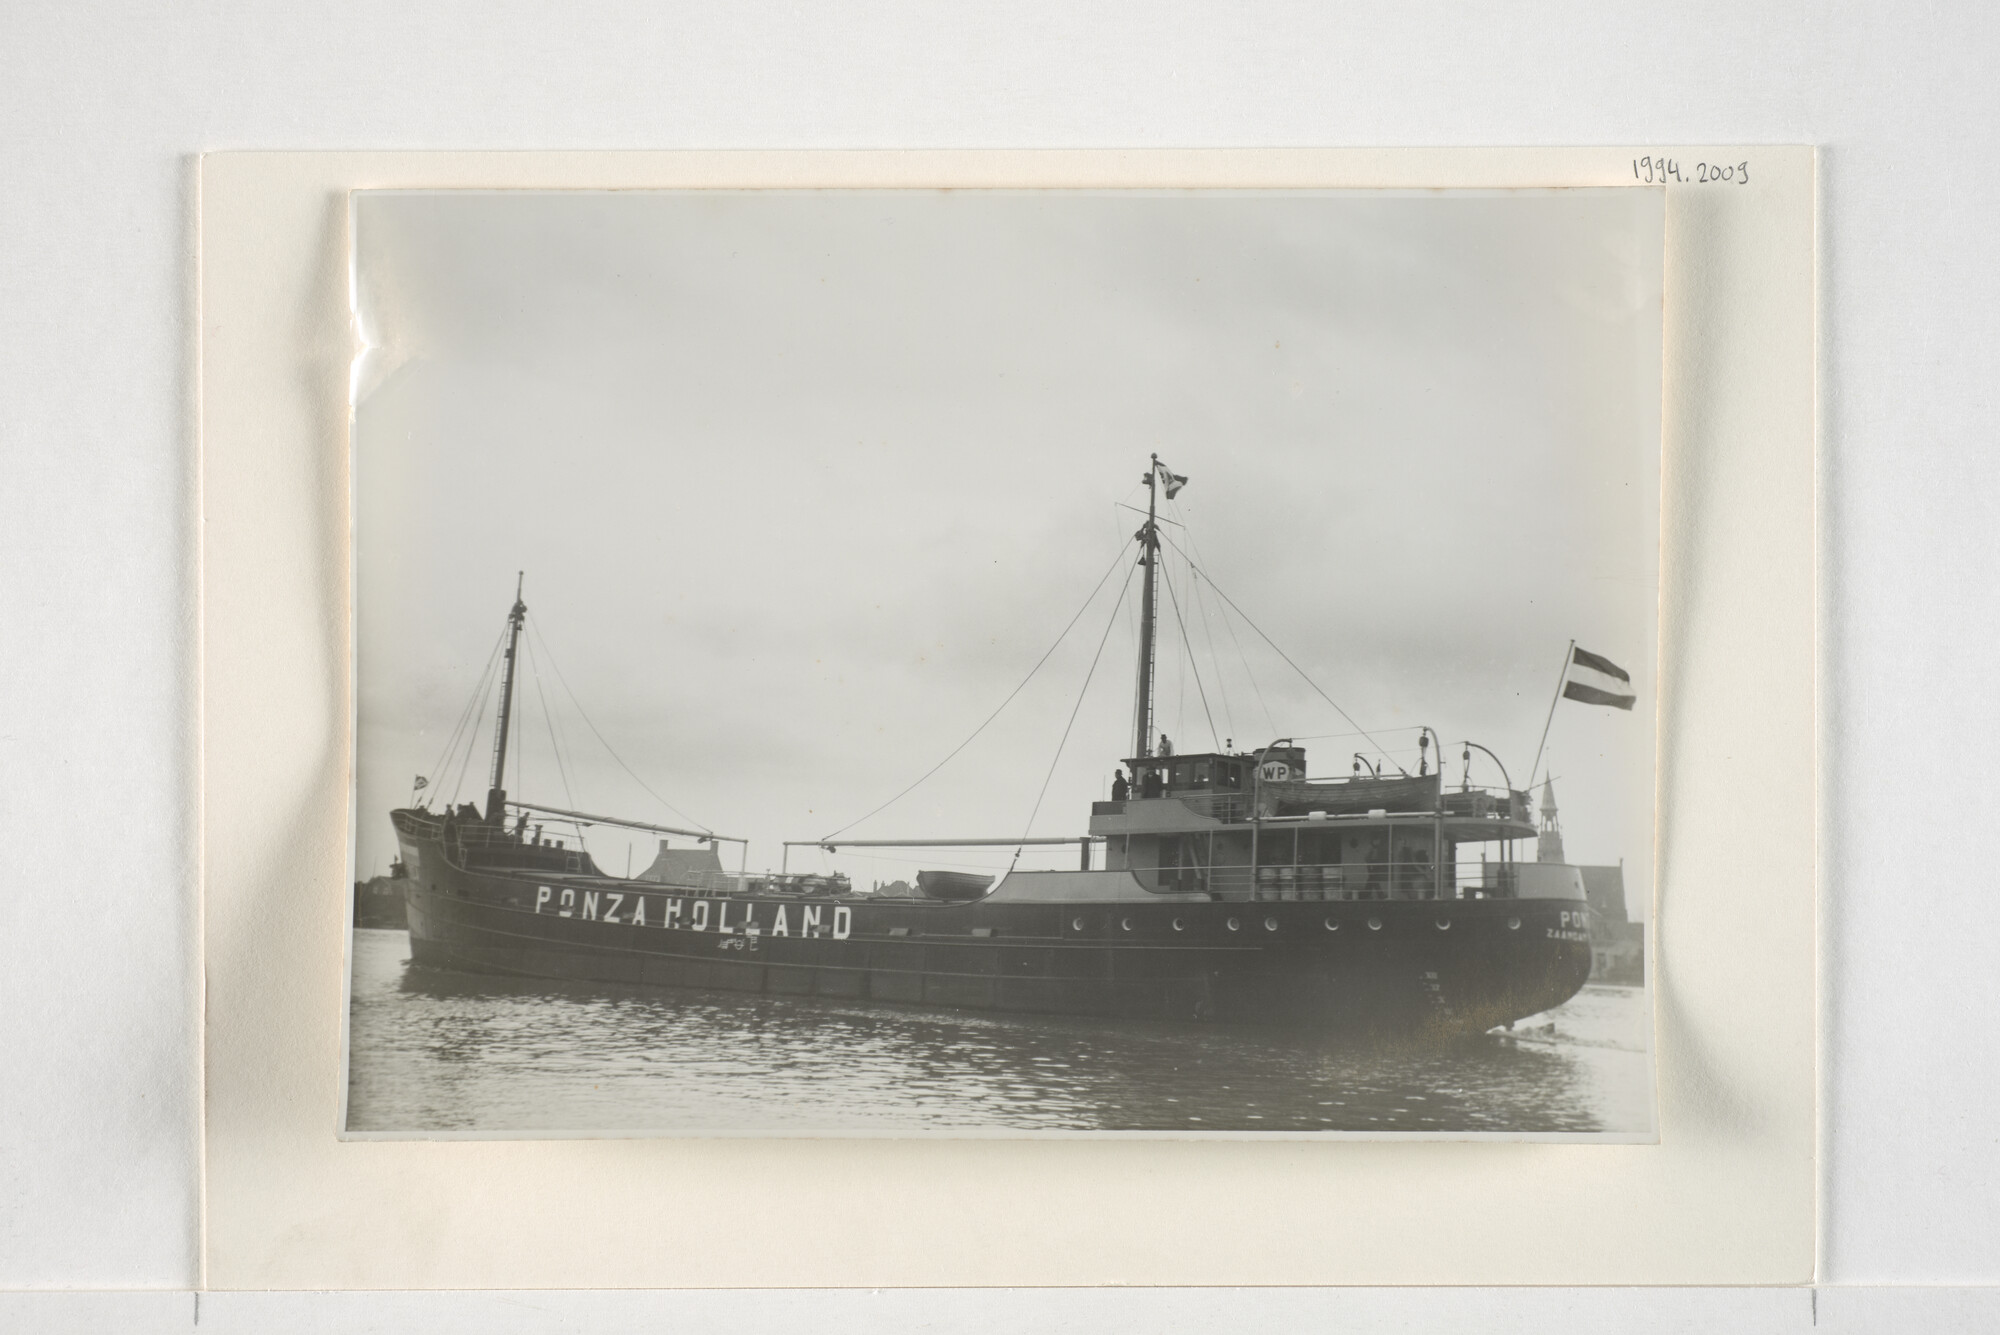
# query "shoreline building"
(378, 901)
(1617, 944)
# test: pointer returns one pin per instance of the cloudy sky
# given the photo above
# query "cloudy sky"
(804, 483)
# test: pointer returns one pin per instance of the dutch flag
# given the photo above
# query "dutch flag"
(1598, 681)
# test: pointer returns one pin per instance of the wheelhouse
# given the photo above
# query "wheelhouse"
(1252, 825)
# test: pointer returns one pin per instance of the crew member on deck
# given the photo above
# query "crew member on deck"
(1120, 790)
(1150, 786)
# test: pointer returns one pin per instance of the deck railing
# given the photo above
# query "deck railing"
(701, 884)
(1340, 881)
(1217, 806)
(1297, 799)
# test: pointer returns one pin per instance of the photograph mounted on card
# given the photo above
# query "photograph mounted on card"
(1005, 662)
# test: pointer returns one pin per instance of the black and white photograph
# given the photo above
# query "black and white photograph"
(1005, 662)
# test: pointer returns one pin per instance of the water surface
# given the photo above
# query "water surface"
(439, 1052)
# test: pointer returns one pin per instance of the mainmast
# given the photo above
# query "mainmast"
(1149, 551)
(496, 794)
(1158, 478)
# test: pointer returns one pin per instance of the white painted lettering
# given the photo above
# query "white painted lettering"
(671, 914)
(611, 914)
(542, 893)
(639, 912)
(568, 902)
(809, 920)
(590, 905)
(750, 927)
(778, 927)
(700, 923)
(722, 920)
(843, 921)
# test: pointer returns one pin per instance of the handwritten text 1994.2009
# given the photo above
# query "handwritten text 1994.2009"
(1654, 170)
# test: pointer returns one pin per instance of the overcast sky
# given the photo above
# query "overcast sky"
(805, 482)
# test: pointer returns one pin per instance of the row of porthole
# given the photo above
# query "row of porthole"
(1271, 924)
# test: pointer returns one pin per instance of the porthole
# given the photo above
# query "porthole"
(1270, 924)
(1076, 924)
(1444, 924)
(1126, 924)
(1235, 924)
(1513, 924)
(1332, 926)
(1180, 924)
(1374, 924)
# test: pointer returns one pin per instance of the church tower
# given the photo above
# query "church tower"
(1549, 840)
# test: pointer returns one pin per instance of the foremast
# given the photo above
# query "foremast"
(496, 791)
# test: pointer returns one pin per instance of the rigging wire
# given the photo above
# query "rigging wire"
(1208, 633)
(564, 741)
(461, 758)
(559, 745)
(465, 714)
(1109, 571)
(1181, 621)
(585, 716)
(472, 734)
(1338, 736)
(1110, 621)
(1270, 720)
(1132, 635)
(473, 739)
(918, 864)
(517, 755)
(1294, 666)
(464, 717)
(1180, 671)
(549, 718)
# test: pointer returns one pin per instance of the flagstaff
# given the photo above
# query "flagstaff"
(1561, 677)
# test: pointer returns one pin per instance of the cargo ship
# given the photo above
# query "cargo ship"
(1225, 887)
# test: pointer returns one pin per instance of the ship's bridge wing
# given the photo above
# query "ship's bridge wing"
(1160, 815)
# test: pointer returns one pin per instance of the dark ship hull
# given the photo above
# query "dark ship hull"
(1432, 968)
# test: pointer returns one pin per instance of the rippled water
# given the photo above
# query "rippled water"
(432, 1051)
